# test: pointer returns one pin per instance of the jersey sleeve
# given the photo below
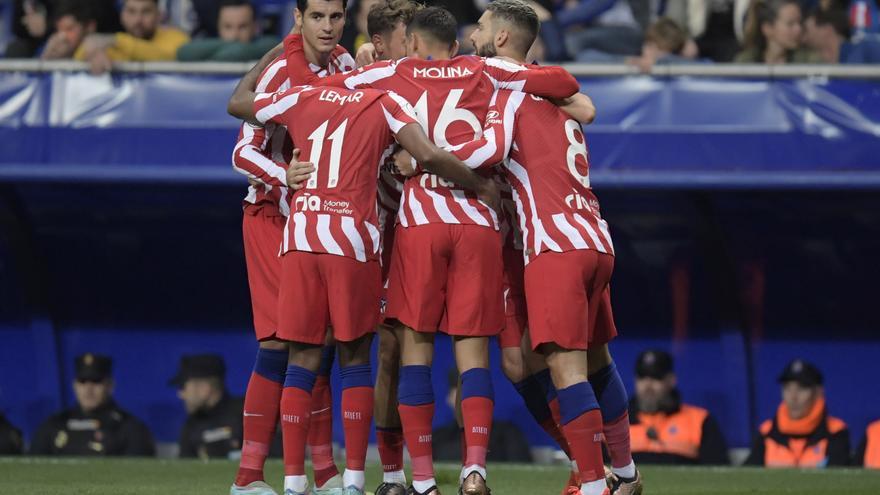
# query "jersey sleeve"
(273, 107)
(251, 159)
(498, 129)
(546, 81)
(398, 112)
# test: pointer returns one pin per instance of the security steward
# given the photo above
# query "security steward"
(802, 434)
(10, 438)
(663, 429)
(213, 427)
(868, 453)
(96, 425)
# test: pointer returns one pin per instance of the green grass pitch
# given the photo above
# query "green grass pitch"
(140, 477)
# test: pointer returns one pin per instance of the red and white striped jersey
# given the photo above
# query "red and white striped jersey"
(269, 167)
(548, 166)
(450, 98)
(347, 135)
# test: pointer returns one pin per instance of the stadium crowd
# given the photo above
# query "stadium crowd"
(637, 32)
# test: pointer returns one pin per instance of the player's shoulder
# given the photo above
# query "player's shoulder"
(273, 76)
(343, 60)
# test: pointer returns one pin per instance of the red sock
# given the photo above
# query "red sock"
(296, 410)
(463, 441)
(477, 415)
(416, 422)
(617, 439)
(390, 443)
(585, 438)
(553, 427)
(357, 415)
(261, 406)
(321, 431)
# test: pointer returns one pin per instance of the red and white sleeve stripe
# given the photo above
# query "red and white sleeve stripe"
(270, 107)
(251, 159)
(497, 137)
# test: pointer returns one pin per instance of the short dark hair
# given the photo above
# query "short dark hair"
(237, 3)
(436, 22)
(302, 5)
(836, 18)
(667, 35)
(81, 10)
(522, 16)
(385, 16)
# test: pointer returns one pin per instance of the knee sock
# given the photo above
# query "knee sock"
(296, 410)
(357, 415)
(390, 443)
(535, 397)
(262, 403)
(582, 425)
(611, 395)
(321, 431)
(477, 402)
(416, 406)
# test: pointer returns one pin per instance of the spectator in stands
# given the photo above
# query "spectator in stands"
(10, 438)
(715, 25)
(599, 26)
(665, 43)
(868, 453)
(355, 33)
(828, 33)
(32, 28)
(74, 20)
(506, 441)
(144, 40)
(663, 429)
(213, 426)
(802, 434)
(773, 34)
(238, 41)
(96, 425)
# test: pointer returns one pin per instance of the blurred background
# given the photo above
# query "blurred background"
(743, 199)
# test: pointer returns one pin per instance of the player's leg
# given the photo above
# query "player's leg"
(357, 407)
(354, 292)
(475, 311)
(416, 298)
(558, 290)
(301, 287)
(389, 433)
(321, 426)
(261, 233)
(477, 404)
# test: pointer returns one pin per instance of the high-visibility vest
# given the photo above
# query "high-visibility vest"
(798, 451)
(679, 433)
(872, 448)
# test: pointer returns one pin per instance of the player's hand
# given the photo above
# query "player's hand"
(403, 162)
(490, 194)
(366, 55)
(298, 172)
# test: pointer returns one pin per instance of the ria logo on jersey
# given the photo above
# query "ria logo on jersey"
(432, 181)
(442, 72)
(310, 202)
(577, 202)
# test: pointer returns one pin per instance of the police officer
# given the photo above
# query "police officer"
(663, 429)
(10, 438)
(96, 425)
(802, 434)
(213, 427)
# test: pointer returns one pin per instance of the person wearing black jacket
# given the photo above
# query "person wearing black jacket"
(663, 429)
(96, 425)
(213, 427)
(10, 438)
